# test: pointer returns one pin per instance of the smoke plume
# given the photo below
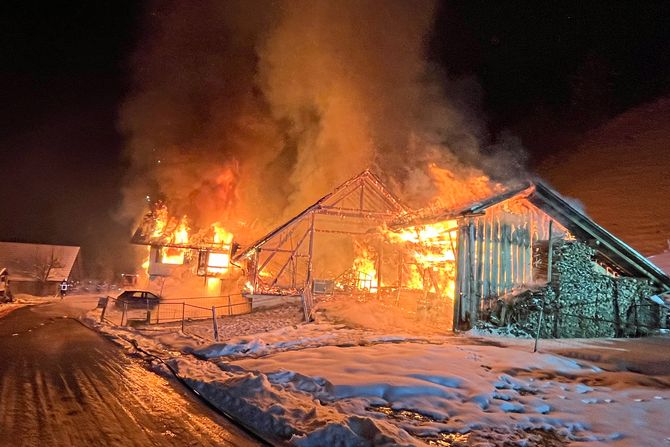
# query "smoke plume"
(250, 110)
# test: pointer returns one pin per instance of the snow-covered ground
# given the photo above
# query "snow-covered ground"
(21, 300)
(336, 382)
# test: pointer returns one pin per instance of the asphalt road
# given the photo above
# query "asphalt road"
(62, 384)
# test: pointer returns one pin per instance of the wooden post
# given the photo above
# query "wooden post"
(480, 264)
(460, 275)
(504, 258)
(308, 280)
(495, 259)
(380, 252)
(486, 285)
(550, 252)
(183, 312)
(125, 311)
(104, 310)
(528, 255)
(519, 254)
(549, 266)
(508, 258)
(254, 280)
(215, 324)
(471, 273)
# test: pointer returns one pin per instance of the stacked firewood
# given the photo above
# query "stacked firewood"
(581, 300)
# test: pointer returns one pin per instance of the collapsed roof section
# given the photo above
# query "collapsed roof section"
(281, 261)
(362, 198)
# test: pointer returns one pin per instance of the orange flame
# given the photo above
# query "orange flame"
(432, 249)
(365, 272)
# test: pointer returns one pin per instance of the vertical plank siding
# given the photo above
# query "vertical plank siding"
(495, 255)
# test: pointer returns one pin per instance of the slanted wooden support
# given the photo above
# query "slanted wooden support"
(309, 232)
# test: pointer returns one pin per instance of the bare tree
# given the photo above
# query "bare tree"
(44, 264)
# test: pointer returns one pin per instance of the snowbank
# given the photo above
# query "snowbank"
(339, 383)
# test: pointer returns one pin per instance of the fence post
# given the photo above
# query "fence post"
(550, 253)
(183, 311)
(123, 315)
(215, 325)
(230, 308)
(104, 309)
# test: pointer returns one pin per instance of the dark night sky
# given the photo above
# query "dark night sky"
(549, 72)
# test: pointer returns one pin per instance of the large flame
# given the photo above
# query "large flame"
(175, 239)
(432, 253)
(365, 272)
(172, 255)
(470, 185)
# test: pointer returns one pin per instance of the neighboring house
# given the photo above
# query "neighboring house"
(37, 269)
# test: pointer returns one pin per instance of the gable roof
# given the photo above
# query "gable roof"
(21, 260)
(607, 244)
(576, 221)
(363, 197)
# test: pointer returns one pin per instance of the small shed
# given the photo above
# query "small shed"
(503, 259)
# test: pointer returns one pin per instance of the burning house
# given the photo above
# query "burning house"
(504, 259)
(174, 250)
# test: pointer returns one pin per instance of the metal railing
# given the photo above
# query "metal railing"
(176, 310)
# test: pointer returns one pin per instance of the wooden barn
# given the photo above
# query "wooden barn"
(503, 260)
(530, 249)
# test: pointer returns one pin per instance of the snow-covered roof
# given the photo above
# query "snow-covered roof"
(23, 261)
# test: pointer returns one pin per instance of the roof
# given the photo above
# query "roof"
(363, 197)
(428, 216)
(579, 224)
(662, 261)
(23, 261)
(583, 227)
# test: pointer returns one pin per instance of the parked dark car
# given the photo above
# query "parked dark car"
(137, 299)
